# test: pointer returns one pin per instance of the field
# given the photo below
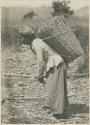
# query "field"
(80, 26)
(23, 97)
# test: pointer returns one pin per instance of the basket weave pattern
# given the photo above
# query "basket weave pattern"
(59, 36)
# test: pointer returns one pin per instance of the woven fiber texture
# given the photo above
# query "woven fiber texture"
(59, 36)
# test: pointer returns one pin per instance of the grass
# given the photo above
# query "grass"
(11, 37)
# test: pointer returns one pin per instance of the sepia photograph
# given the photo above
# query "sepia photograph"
(44, 61)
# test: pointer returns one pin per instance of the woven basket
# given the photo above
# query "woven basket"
(59, 36)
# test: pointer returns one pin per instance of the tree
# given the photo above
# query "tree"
(61, 7)
(29, 15)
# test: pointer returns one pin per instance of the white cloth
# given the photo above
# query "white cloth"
(25, 30)
(46, 54)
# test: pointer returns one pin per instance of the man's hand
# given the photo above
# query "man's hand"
(40, 79)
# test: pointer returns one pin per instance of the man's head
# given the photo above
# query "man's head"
(27, 33)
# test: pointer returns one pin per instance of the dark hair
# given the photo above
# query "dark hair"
(28, 38)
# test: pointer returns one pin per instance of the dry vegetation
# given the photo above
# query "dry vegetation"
(23, 97)
(80, 26)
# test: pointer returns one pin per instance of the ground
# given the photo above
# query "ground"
(23, 97)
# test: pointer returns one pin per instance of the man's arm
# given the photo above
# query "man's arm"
(40, 63)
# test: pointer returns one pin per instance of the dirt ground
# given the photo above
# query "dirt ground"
(23, 97)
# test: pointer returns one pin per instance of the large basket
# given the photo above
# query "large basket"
(59, 36)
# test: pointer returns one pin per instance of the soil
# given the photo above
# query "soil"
(23, 97)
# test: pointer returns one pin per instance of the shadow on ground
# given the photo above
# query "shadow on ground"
(78, 108)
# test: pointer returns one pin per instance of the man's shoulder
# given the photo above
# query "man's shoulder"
(37, 42)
